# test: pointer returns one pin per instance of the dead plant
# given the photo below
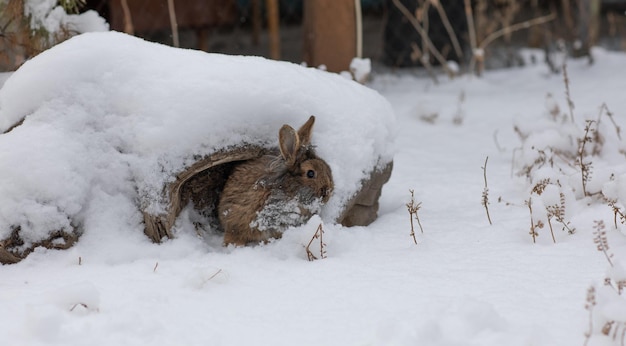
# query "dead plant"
(429, 47)
(460, 114)
(21, 40)
(601, 241)
(484, 27)
(485, 197)
(568, 97)
(612, 328)
(319, 234)
(533, 227)
(589, 305)
(557, 211)
(412, 209)
(617, 211)
(605, 109)
(585, 166)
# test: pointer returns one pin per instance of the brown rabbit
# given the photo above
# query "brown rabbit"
(264, 196)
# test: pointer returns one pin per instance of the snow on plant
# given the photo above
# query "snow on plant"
(360, 69)
(607, 304)
(565, 162)
(32, 26)
(548, 201)
(55, 16)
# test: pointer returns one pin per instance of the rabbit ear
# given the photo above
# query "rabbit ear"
(304, 132)
(289, 143)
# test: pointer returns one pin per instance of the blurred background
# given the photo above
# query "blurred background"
(452, 35)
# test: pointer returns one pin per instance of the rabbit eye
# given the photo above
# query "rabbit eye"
(310, 173)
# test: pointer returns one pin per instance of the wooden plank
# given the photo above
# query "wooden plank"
(330, 33)
(273, 28)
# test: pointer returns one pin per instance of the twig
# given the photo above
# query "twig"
(77, 304)
(214, 275)
(413, 208)
(485, 199)
(495, 140)
(551, 230)
(155, 267)
(515, 27)
(532, 232)
(616, 211)
(449, 29)
(478, 49)
(570, 103)
(557, 212)
(423, 58)
(469, 14)
(128, 20)
(424, 36)
(173, 23)
(591, 302)
(418, 218)
(618, 130)
(319, 234)
(601, 240)
(585, 168)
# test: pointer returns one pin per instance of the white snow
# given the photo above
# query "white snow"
(47, 14)
(118, 117)
(360, 69)
(465, 283)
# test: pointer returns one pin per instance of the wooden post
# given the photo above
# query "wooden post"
(256, 22)
(595, 7)
(128, 20)
(330, 33)
(174, 24)
(273, 28)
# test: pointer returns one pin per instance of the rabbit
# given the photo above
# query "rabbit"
(262, 197)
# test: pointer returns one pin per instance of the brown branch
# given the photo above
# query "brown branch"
(570, 103)
(319, 233)
(485, 200)
(172, 12)
(449, 29)
(551, 230)
(128, 20)
(605, 108)
(585, 168)
(471, 29)
(532, 232)
(424, 36)
(412, 209)
(515, 27)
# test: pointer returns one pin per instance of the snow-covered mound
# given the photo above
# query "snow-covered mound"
(110, 119)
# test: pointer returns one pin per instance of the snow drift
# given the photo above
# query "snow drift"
(104, 121)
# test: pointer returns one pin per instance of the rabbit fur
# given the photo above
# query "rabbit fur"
(264, 196)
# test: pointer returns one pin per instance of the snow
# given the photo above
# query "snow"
(119, 117)
(465, 283)
(360, 69)
(47, 14)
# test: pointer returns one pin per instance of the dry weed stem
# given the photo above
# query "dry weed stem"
(485, 198)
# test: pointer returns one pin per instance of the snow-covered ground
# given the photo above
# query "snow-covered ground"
(466, 283)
